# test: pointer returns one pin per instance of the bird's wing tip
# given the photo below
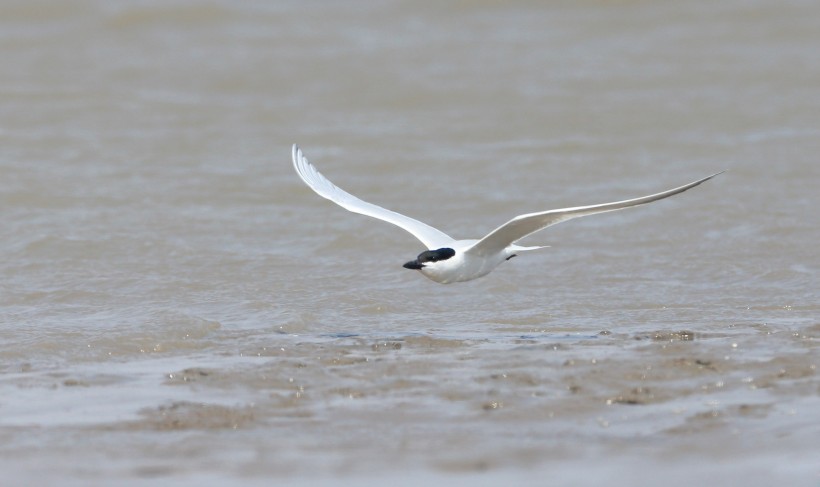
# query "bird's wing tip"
(714, 175)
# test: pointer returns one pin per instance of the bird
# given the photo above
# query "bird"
(448, 260)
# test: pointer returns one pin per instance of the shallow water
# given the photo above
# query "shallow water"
(176, 305)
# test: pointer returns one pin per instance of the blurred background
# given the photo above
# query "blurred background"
(176, 304)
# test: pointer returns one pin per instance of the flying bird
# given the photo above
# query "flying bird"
(448, 260)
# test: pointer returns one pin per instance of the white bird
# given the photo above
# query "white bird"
(449, 260)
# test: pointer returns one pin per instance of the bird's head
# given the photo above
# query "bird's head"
(428, 257)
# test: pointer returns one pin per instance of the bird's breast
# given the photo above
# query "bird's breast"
(461, 267)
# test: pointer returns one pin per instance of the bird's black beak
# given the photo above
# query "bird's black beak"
(413, 264)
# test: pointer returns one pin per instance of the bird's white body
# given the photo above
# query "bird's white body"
(448, 260)
(461, 267)
(464, 266)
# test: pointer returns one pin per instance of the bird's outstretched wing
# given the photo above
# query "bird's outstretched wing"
(523, 225)
(429, 236)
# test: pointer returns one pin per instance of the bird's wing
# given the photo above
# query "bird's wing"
(523, 225)
(428, 235)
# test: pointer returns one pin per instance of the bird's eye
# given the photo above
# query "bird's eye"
(426, 256)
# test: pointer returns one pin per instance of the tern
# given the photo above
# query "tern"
(448, 260)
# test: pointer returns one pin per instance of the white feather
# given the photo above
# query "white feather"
(472, 258)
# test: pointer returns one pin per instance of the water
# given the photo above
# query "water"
(176, 305)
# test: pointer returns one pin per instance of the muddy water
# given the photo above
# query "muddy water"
(176, 305)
